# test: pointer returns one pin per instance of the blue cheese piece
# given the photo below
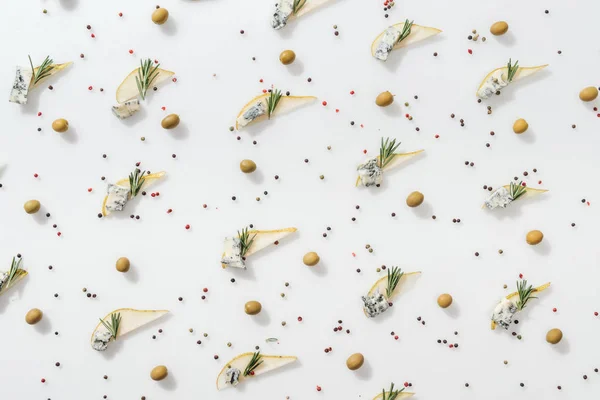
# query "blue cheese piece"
(21, 85)
(233, 253)
(233, 376)
(126, 109)
(283, 10)
(375, 304)
(370, 173)
(101, 340)
(504, 313)
(493, 84)
(117, 197)
(386, 43)
(260, 108)
(500, 198)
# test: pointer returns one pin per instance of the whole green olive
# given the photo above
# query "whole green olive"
(554, 336)
(589, 93)
(170, 121)
(160, 16)
(287, 57)
(384, 99)
(32, 206)
(311, 259)
(247, 166)
(499, 28)
(355, 361)
(159, 373)
(252, 307)
(34, 316)
(60, 125)
(415, 199)
(123, 264)
(520, 126)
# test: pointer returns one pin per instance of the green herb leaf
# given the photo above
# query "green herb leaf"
(14, 271)
(405, 31)
(393, 277)
(113, 326)
(255, 361)
(136, 181)
(525, 294)
(386, 151)
(245, 241)
(517, 190)
(392, 394)
(298, 4)
(512, 69)
(42, 72)
(272, 101)
(146, 75)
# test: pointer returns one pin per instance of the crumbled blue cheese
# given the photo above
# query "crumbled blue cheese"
(493, 84)
(233, 253)
(260, 108)
(370, 173)
(3, 279)
(126, 109)
(386, 43)
(20, 87)
(375, 304)
(500, 198)
(283, 10)
(504, 313)
(117, 197)
(101, 340)
(233, 376)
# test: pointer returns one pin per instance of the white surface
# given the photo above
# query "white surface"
(202, 38)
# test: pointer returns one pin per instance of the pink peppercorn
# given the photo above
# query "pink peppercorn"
(299, 319)
(470, 51)
(318, 388)
(205, 290)
(324, 103)
(169, 211)
(89, 189)
(187, 227)
(130, 51)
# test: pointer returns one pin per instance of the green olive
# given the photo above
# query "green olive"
(247, 166)
(252, 307)
(384, 99)
(32, 206)
(287, 57)
(159, 373)
(589, 93)
(415, 199)
(554, 336)
(60, 125)
(34, 316)
(160, 16)
(123, 264)
(170, 121)
(444, 300)
(311, 259)
(534, 237)
(499, 28)
(520, 126)
(355, 361)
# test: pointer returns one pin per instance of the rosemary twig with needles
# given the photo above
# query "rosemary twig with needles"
(392, 394)
(386, 151)
(136, 180)
(255, 361)
(113, 325)
(245, 241)
(525, 294)
(15, 267)
(43, 70)
(516, 190)
(145, 77)
(298, 4)
(272, 101)
(512, 69)
(393, 277)
(405, 31)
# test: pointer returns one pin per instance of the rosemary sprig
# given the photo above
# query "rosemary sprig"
(136, 180)
(392, 394)
(516, 190)
(272, 101)
(245, 241)
(43, 71)
(12, 273)
(525, 294)
(113, 326)
(145, 77)
(386, 151)
(255, 361)
(405, 31)
(393, 277)
(512, 69)
(298, 4)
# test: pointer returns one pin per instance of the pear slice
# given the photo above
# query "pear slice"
(240, 362)
(264, 239)
(529, 193)
(417, 33)
(148, 180)
(401, 395)
(56, 69)
(21, 273)
(398, 159)
(381, 285)
(308, 6)
(522, 72)
(128, 89)
(516, 294)
(285, 105)
(130, 320)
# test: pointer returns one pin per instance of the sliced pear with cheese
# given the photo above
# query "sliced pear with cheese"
(417, 34)
(56, 68)
(285, 105)
(401, 395)
(515, 295)
(149, 179)
(263, 239)
(522, 72)
(269, 363)
(128, 89)
(399, 158)
(529, 193)
(130, 320)
(20, 274)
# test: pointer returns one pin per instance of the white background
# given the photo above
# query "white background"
(202, 38)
